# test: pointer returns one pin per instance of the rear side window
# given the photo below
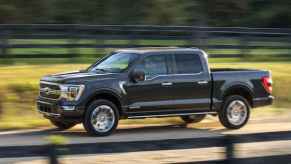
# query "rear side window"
(187, 63)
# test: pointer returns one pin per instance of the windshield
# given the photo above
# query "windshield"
(115, 63)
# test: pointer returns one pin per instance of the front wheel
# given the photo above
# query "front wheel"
(62, 125)
(235, 112)
(101, 118)
(193, 118)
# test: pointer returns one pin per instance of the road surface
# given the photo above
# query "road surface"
(206, 129)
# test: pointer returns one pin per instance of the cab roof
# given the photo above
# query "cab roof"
(156, 50)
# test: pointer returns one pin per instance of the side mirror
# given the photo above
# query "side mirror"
(137, 75)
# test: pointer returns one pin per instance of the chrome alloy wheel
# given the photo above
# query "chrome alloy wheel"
(237, 112)
(103, 118)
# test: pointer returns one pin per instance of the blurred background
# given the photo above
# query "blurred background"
(248, 13)
(39, 37)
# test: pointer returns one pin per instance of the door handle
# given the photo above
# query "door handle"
(167, 84)
(202, 82)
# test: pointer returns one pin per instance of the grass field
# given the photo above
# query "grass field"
(19, 88)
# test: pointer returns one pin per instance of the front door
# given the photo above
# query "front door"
(154, 93)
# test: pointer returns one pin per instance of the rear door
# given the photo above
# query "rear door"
(191, 82)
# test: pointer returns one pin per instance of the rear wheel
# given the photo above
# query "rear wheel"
(235, 112)
(101, 118)
(193, 118)
(62, 125)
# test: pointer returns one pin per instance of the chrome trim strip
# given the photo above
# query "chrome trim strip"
(166, 115)
(50, 114)
(202, 82)
(134, 107)
(68, 108)
(49, 91)
(81, 90)
(48, 98)
(50, 83)
(121, 86)
(43, 102)
(185, 74)
(167, 84)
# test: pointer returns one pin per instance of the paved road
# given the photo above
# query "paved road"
(78, 135)
(139, 133)
(142, 132)
(208, 128)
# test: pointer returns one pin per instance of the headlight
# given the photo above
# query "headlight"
(72, 92)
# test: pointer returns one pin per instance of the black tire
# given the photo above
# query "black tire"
(223, 116)
(62, 125)
(193, 118)
(87, 123)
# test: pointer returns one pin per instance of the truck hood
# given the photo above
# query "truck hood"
(78, 77)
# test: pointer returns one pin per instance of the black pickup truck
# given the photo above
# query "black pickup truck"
(153, 82)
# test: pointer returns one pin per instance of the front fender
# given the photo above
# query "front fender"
(108, 91)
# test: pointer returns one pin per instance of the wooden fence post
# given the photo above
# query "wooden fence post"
(244, 43)
(52, 152)
(229, 149)
(73, 39)
(200, 38)
(3, 43)
(132, 40)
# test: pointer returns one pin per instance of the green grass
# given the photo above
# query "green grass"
(19, 88)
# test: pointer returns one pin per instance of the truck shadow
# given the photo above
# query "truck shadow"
(173, 129)
(140, 130)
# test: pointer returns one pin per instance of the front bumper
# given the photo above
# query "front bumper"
(54, 110)
(264, 101)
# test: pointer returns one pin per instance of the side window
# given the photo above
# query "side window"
(154, 65)
(187, 63)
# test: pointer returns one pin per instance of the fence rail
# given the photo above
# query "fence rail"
(65, 40)
(228, 142)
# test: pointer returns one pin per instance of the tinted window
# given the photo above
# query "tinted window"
(115, 63)
(187, 63)
(154, 65)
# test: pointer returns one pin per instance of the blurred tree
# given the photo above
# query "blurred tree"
(269, 13)
(226, 12)
(255, 13)
(7, 13)
(19, 11)
(67, 11)
(94, 11)
(167, 12)
(127, 11)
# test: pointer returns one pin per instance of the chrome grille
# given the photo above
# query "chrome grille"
(49, 90)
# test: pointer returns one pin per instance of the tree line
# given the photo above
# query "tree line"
(251, 13)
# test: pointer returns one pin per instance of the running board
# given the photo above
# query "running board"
(169, 115)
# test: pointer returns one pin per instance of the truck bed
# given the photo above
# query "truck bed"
(250, 79)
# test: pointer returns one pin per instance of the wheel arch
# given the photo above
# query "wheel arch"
(239, 89)
(106, 94)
